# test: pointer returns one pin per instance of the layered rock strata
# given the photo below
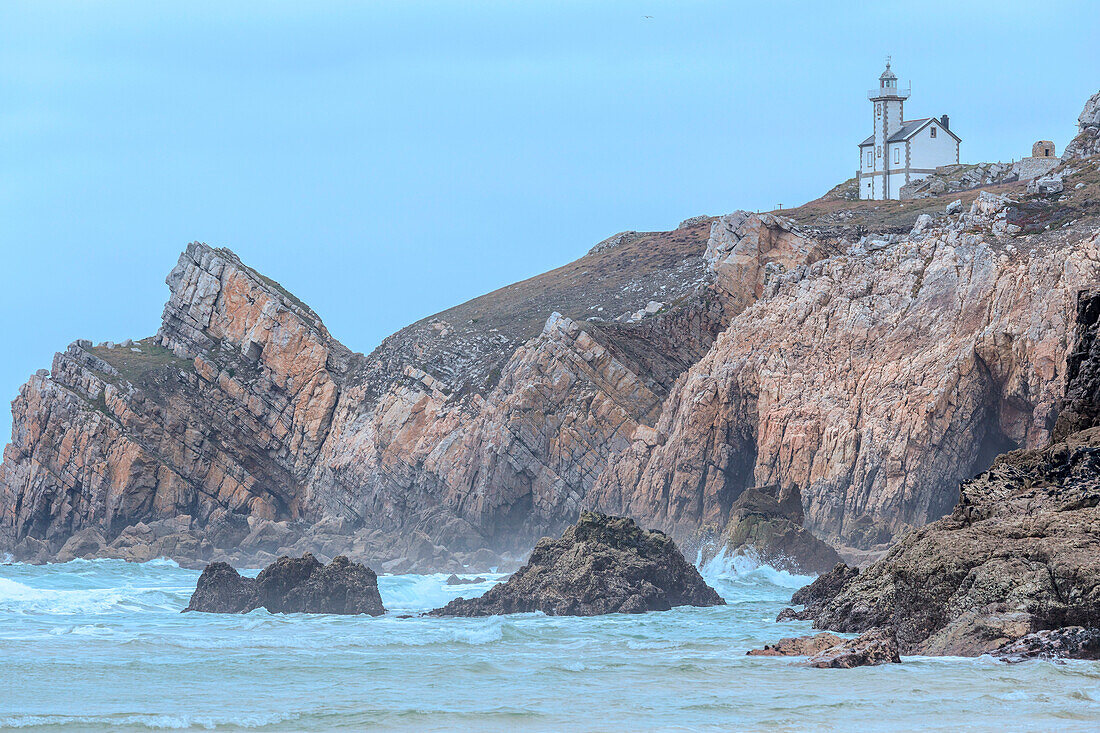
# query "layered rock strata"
(865, 361)
(600, 565)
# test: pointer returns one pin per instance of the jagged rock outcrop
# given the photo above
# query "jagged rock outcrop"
(766, 526)
(748, 252)
(874, 381)
(1087, 142)
(1019, 554)
(290, 585)
(222, 413)
(866, 361)
(600, 565)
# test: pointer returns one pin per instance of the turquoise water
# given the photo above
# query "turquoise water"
(101, 645)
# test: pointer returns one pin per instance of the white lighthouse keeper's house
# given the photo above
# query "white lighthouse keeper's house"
(901, 151)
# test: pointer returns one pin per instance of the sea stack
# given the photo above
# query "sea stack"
(290, 585)
(600, 565)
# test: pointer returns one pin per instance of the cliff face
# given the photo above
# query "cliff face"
(659, 376)
(223, 412)
(1019, 554)
(873, 381)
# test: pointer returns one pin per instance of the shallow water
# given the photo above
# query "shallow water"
(101, 645)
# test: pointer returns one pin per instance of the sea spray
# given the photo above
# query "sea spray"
(76, 661)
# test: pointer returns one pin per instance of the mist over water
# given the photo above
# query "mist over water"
(101, 645)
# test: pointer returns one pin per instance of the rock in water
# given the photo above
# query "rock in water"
(600, 565)
(815, 595)
(878, 646)
(304, 585)
(798, 646)
(1073, 642)
(221, 589)
(766, 524)
(290, 585)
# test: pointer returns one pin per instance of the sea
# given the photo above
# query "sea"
(101, 645)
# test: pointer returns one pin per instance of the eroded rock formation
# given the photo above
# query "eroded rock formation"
(660, 376)
(290, 585)
(1087, 142)
(600, 565)
(1019, 554)
(877, 646)
(874, 381)
(770, 531)
(798, 646)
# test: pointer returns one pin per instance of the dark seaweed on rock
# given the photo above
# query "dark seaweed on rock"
(600, 565)
(290, 585)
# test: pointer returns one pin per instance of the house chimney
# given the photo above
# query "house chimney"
(945, 120)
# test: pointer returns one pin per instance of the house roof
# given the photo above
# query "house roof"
(908, 129)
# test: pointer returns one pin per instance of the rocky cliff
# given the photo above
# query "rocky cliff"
(869, 355)
(1019, 555)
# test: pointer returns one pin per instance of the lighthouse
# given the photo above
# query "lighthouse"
(901, 151)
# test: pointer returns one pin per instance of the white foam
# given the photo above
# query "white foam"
(741, 567)
(19, 597)
(151, 722)
(425, 592)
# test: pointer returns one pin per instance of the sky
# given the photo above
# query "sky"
(386, 160)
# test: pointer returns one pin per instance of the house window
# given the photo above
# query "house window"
(933, 132)
(897, 155)
(870, 159)
(878, 109)
(878, 151)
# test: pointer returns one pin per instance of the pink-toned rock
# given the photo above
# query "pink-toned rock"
(874, 382)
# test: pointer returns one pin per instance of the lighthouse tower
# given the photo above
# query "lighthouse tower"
(900, 151)
(889, 102)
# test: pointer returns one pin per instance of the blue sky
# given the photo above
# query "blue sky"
(385, 160)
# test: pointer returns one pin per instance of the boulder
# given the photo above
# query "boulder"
(798, 646)
(1046, 185)
(290, 585)
(304, 585)
(86, 543)
(455, 580)
(600, 565)
(766, 524)
(878, 646)
(924, 221)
